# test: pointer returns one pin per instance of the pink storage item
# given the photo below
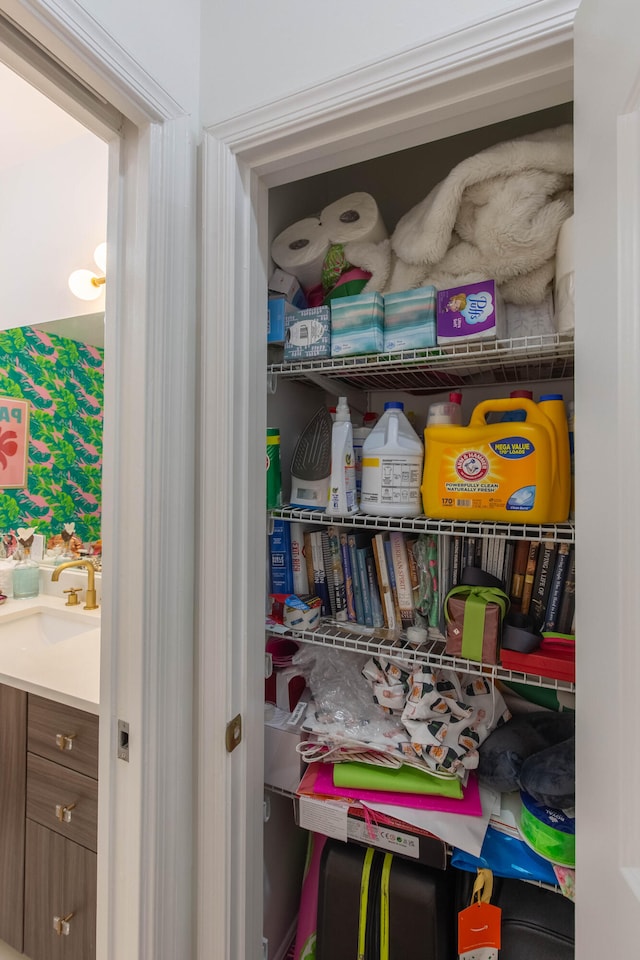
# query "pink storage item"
(308, 912)
(470, 804)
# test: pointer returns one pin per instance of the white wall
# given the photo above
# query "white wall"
(162, 36)
(54, 214)
(254, 53)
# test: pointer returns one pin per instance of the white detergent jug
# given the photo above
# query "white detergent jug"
(392, 458)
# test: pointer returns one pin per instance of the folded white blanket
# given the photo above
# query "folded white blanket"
(497, 215)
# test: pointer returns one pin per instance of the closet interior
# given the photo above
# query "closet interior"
(398, 182)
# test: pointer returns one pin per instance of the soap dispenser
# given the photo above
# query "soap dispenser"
(26, 573)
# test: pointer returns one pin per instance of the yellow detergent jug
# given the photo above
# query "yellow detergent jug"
(513, 471)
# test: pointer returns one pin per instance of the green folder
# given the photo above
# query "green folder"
(404, 779)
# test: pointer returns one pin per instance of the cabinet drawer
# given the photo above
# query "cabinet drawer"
(63, 800)
(63, 734)
(60, 882)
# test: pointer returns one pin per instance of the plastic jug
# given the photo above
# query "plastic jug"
(505, 471)
(446, 412)
(392, 457)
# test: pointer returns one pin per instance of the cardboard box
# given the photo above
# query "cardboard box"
(410, 319)
(282, 764)
(287, 285)
(357, 325)
(307, 334)
(472, 311)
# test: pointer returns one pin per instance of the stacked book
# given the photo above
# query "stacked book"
(538, 575)
(361, 576)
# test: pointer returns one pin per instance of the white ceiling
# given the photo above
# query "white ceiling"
(29, 121)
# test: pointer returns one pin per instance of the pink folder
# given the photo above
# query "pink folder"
(470, 803)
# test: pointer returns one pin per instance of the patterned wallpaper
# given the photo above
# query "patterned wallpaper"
(63, 380)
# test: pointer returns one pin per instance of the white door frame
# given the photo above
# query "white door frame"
(145, 824)
(510, 65)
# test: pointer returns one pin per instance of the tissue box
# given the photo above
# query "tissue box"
(472, 311)
(357, 325)
(278, 309)
(307, 334)
(410, 319)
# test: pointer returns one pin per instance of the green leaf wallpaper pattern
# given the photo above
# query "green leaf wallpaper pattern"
(63, 380)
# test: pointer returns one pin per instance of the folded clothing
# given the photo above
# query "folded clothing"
(535, 752)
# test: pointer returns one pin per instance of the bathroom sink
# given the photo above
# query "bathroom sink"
(35, 627)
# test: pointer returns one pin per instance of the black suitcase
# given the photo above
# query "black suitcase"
(376, 906)
(537, 924)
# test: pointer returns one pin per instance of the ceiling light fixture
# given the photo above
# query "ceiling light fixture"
(87, 285)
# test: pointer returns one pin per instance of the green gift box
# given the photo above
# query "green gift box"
(474, 618)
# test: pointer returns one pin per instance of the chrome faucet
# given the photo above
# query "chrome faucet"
(90, 598)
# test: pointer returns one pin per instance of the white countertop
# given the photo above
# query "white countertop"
(67, 671)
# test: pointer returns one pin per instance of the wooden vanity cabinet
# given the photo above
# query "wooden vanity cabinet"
(61, 832)
(48, 827)
(13, 766)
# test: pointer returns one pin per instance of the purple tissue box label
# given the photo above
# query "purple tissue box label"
(467, 311)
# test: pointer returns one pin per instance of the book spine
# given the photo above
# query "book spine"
(471, 551)
(355, 573)
(388, 608)
(392, 579)
(339, 589)
(361, 553)
(568, 599)
(377, 616)
(308, 559)
(414, 575)
(557, 585)
(403, 581)
(529, 576)
(455, 569)
(280, 558)
(542, 583)
(348, 578)
(298, 565)
(319, 575)
(507, 565)
(328, 572)
(519, 570)
(499, 558)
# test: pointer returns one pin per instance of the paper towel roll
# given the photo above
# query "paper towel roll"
(564, 288)
(301, 249)
(355, 217)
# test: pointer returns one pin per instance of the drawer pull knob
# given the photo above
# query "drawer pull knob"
(61, 925)
(64, 741)
(64, 813)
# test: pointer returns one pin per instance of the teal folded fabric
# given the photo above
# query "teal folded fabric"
(405, 779)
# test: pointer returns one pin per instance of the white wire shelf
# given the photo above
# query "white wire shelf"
(330, 633)
(556, 532)
(479, 363)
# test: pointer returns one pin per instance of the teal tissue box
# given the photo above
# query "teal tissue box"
(410, 319)
(357, 325)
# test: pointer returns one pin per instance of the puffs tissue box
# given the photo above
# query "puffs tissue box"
(357, 325)
(410, 319)
(472, 311)
(307, 334)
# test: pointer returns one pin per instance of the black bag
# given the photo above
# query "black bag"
(377, 905)
(537, 924)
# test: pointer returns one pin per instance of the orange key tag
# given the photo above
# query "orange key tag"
(479, 924)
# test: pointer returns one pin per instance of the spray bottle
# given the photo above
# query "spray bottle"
(342, 488)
